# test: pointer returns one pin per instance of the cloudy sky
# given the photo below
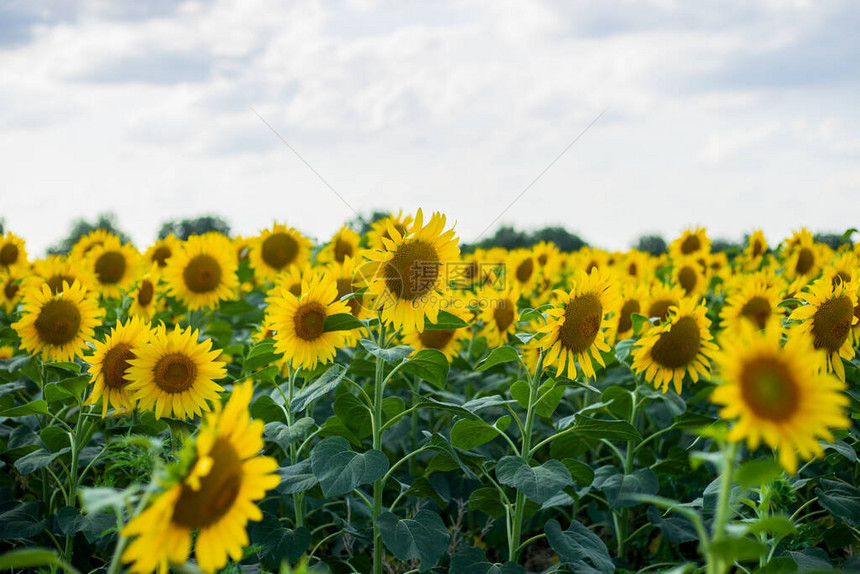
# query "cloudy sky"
(730, 114)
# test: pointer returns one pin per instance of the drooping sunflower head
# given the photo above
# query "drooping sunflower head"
(299, 322)
(681, 345)
(174, 373)
(203, 272)
(85, 243)
(145, 300)
(58, 325)
(114, 266)
(777, 394)
(692, 242)
(344, 244)
(13, 252)
(379, 229)
(56, 270)
(159, 252)
(828, 316)
(218, 483)
(110, 361)
(752, 299)
(575, 329)
(405, 279)
(276, 250)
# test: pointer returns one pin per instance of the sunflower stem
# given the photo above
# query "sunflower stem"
(298, 499)
(717, 565)
(378, 485)
(624, 522)
(514, 546)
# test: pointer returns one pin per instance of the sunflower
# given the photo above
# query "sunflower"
(752, 299)
(276, 250)
(522, 270)
(10, 288)
(693, 241)
(844, 269)
(291, 280)
(174, 373)
(13, 252)
(85, 243)
(755, 249)
(57, 269)
(379, 229)
(681, 345)
(589, 258)
(448, 341)
(58, 325)
(110, 361)
(6, 352)
(803, 256)
(497, 311)
(575, 327)
(637, 265)
(634, 294)
(114, 266)
(145, 301)
(298, 322)
(777, 395)
(662, 297)
(689, 274)
(828, 316)
(344, 244)
(405, 280)
(160, 251)
(215, 495)
(203, 272)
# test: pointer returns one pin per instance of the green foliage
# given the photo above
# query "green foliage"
(81, 227)
(185, 228)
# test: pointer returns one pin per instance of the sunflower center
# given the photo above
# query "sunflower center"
(436, 339)
(202, 274)
(625, 320)
(175, 373)
(413, 270)
(342, 250)
(582, 318)
(10, 289)
(688, 278)
(758, 248)
(55, 282)
(757, 310)
(542, 259)
(832, 323)
(525, 269)
(503, 314)
(279, 250)
(115, 364)
(295, 289)
(145, 293)
(805, 261)
(8, 254)
(309, 320)
(161, 255)
(218, 491)
(110, 267)
(841, 277)
(633, 269)
(58, 322)
(769, 389)
(691, 244)
(660, 308)
(344, 287)
(678, 347)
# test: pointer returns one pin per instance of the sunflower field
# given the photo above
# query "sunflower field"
(383, 403)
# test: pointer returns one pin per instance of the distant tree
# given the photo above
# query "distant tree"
(834, 240)
(561, 237)
(184, 228)
(653, 244)
(727, 246)
(2, 222)
(361, 224)
(81, 227)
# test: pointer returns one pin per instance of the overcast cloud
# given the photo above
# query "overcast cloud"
(729, 114)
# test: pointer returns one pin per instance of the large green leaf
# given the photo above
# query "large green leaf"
(297, 478)
(488, 501)
(392, 355)
(538, 483)
(445, 321)
(579, 547)
(340, 470)
(279, 543)
(471, 560)
(620, 488)
(318, 388)
(840, 499)
(468, 434)
(284, 435)
(21, 521)
(37, 407)
(423, 537)
(549, 396)
(430, 365)
(341, 322)
(758, 472)
(498, 356)
(26, 558)
(608, 429)
(38, 459)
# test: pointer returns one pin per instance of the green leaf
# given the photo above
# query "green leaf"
(430, 365)
(319, 387)
(341, 322)
(437, 442)
(528, 314)
(392, 355)
(21, 521)
(267, 410)
(581, 472)
(621, 489)
(55, 438)
(423, 537)
(608, 429)
(471, 560)
(775, 524)
(488, 501)
(538, 483)
(498, 356)
(779, 565)
(297, 478)
(340, 469)
(579, 547)
(37, 407)
(549, 397)
(758, 472)
(638, 321)
(284, 435)
(677, 529)
(23, 558)
(280, 543)
(96, 500)
(445, 321)
(38, 459)
(738, 549)
(354, 413)
(840, 499)
(623, 348)
(468, 434)
(65, 366)
(261, 355)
